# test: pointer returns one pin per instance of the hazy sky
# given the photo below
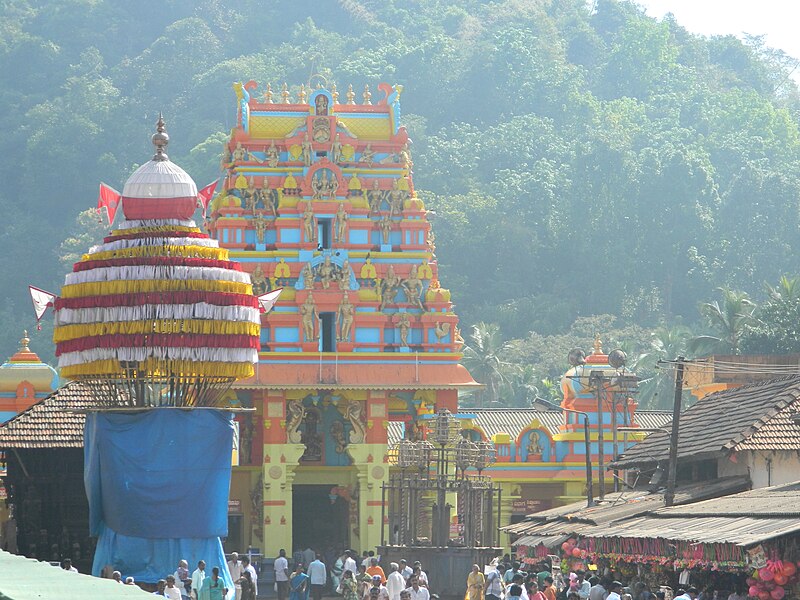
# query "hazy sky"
(778, 19)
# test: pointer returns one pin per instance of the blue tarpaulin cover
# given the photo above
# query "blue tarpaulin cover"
(158, 484)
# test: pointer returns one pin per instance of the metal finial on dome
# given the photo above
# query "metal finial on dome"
(23, 343)
(160, 139)
(598, 344)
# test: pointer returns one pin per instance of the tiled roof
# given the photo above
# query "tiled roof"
(752, 417)
(47, 424)
(512, 421)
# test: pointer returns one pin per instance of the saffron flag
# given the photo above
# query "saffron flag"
(41, 302)
(268, 300)
(108, 199)
(204, 196)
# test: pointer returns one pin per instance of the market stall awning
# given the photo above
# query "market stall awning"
(22, 577)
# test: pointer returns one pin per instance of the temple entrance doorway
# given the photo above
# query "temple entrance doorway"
(319, 521)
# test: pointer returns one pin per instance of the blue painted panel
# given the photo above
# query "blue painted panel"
(543, 442)
(359, 236)
(224, 236)
(285, 349)
(287, 334)
(290, 236)
(368, 335)
(432, 339)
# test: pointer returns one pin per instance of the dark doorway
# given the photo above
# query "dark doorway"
(317, 522)
(235, 540)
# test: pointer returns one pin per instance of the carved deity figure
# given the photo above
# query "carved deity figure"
(534, 445)
(337, 434)
(326, 272)
(321, 104)
(397, 199)
(405, 156)
(386, 228)
(239, 154)
(343, 276)
(307, 150)
(345, 315)
(311, 437)
(309, 224)
(272, 155)
(336, 149)
(259, 281)
(308, 317)
(375, 197)
(404, 325)
(340, 225)
(332, 185)
(295, 413)
(413, 289)
(269, 197)
(367, 155)
(250, 195)
(388, 288)
(308, 277)
(260, 223)
(317, 186)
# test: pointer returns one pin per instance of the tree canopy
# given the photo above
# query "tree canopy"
(582, 158)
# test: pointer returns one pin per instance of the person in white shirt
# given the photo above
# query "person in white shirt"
(583, 586)
(318, 575)
(395, 583)
(235, 568)
(613, 590)
(282, 575)
(182, 578)
(197, 578)
(246, 566)
(494, 585)
(421, 575)
(405, 570)
(350, 564)
(597, 591)
(417, 592)
(67, 565)
(172, 591)
(378, 591)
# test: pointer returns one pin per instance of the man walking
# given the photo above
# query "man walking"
(318, 575)
(395, 583)
(246, 566)
(197, 579)
(494, 585)
(235, 568)
(417, 591)
(282, 575)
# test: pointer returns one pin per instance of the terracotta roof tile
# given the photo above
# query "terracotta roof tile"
(751, 417)
(47, 424)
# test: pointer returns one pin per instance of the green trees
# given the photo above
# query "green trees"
(727, 321)
(582, 160)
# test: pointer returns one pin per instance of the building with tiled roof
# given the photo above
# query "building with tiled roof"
(747, 430)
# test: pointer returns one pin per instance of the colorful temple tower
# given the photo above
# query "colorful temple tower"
(318, 199)
(24, 380)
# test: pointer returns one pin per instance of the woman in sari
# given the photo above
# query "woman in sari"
(349, 586)
(298, 584)
(213, 587)
(475, 584)
(248, 588)
(364, 581)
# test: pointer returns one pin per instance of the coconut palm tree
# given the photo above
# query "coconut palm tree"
(727, 321)
(656, 386)
(483, 358)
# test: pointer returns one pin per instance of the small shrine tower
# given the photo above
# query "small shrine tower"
(24, 380)
(318, 199)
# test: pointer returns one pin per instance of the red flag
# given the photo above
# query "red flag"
(108, 199)
(41, 302)
(268, 300)
(204, 196)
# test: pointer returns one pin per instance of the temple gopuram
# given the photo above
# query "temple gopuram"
(318, 199)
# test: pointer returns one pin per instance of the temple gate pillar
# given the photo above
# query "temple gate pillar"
(280, 462)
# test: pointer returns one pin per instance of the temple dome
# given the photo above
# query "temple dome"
(25, 365)
(159, 189)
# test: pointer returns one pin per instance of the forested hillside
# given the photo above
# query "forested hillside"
(582, 158)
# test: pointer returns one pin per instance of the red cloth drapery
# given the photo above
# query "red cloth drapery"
(139, 299)
(158, 340)
(157, 261)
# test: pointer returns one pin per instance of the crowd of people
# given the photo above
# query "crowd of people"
(201, 585)
(508, 581)
(350, 576)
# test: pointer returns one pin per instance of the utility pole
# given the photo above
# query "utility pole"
(597, 380)
(669, 495)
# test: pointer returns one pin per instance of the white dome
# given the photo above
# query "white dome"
(159, 179)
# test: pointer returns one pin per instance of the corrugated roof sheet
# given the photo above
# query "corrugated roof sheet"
(513, 420)
(579, 519)
(752, 417)
(47, 424)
